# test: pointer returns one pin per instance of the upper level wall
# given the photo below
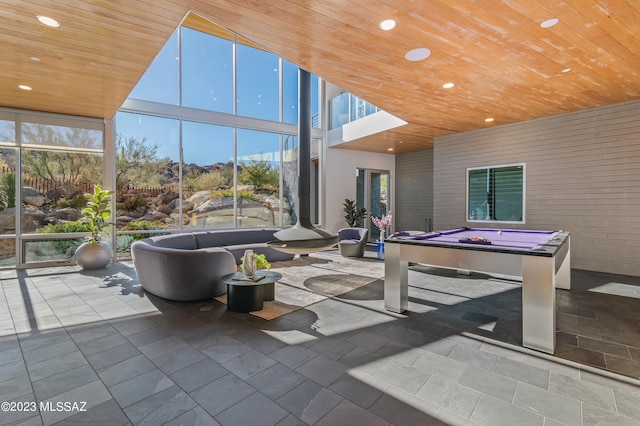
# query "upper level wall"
(582, 176)
(340, 180)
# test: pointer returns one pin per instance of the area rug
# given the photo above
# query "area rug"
(271, 309)
(309, 280)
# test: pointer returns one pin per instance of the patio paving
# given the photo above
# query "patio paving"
(80, 347)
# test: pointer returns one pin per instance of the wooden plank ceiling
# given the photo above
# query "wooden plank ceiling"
(503, 63)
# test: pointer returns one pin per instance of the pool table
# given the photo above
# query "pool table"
(540, 258)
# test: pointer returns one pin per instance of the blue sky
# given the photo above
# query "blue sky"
(207, 76)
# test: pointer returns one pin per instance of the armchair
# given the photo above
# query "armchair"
(352, 241)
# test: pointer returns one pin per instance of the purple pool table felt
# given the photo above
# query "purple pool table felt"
(508, 238)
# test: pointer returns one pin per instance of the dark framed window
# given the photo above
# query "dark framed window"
(496, 193)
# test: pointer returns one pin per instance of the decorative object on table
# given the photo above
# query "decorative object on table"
(475, 240)
(354, 216)
(249, 265)
(382, 223)
(380, 250)
(259, 260)
(95, 253)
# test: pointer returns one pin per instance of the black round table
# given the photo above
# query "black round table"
(246, 294)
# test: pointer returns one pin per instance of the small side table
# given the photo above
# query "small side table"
(247, 295)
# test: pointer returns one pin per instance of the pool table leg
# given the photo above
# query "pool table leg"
(396, 280)
(563, 266)
(538, 303)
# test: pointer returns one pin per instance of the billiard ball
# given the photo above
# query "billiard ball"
(499, 232)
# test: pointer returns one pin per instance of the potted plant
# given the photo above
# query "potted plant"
(95, 253)
(354, 215)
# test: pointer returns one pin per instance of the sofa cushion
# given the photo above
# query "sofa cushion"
(350, 241)
(233, 237)
(174, 241)
(271, 254)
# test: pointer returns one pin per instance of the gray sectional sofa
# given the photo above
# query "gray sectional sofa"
(189, 266)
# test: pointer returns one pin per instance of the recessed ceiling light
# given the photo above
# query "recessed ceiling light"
(49, 22)
(549, 23)
(488, 120)
(417, 54)
(25, 87)
(387, 24)
(566, 70)
(448, 85)
(389, 149)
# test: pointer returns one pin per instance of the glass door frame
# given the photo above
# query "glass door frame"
(364, 187)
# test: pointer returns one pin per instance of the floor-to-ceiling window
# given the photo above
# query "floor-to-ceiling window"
(207, 70)
(146, 165)
(8, 166)
(47, 164)
(219, 152)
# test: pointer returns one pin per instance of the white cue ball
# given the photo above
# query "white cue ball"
(499, 232)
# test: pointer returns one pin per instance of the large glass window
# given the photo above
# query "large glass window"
(289, 179)
(258, 190)
(54, 184)
(8, 190)
(147, 176)
(315, 102)
(289, 93)
(60, 160)
(207, 71)
(160, 82)
(496, 193)
(59, 136)
(208, 175)
(199, 170)
(258, 76)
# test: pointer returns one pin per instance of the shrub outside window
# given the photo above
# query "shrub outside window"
(496, 193)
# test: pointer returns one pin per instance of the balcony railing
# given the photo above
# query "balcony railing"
(347, 107)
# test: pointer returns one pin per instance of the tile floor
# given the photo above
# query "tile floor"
(116, 356)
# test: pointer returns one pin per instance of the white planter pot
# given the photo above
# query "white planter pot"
(93, 256)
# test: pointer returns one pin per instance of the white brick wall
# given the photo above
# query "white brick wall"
(582, 175)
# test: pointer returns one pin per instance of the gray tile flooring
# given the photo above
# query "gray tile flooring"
(123, 357)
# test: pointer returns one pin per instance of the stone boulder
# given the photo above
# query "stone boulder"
(165, 198)
(214, 204)
(8, 221)
(199, 197)
(156, 217)
(173, 206)
(33, 197)
(67, 192)
(175, 218)
(68, 214)
(32, 219)
(8, 249)
(123, 220)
